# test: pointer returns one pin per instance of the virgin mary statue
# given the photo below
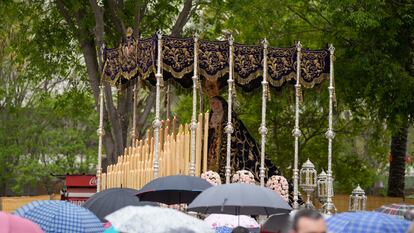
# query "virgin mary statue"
(245, 153)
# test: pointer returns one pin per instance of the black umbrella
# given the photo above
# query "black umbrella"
(278, 223)
(111, 200)
(239, 199)
(173, 189)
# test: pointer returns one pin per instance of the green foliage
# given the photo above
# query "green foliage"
(50, 138)
(47, 116)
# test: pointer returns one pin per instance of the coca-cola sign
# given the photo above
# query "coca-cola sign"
(80, 181)
(93, 181)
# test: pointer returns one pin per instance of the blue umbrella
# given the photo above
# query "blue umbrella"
(223, 229)
(366, 222)
(60, 217)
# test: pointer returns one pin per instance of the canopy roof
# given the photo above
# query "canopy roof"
(138, 58)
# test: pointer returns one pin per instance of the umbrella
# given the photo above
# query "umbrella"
(173, 189)
(238, 198)
(232, 221)
(111, 230)
(143, 219)
(111, 200)
(278, 223)
(395, 209)
(223, 229)
(366, 222)
(61, 216)
(15, 224)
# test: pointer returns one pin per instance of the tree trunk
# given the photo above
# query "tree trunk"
(397, 164)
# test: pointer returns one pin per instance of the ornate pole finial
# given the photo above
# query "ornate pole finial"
(298, 46)
(231, 39)
(331, 49)
(265, 43)
(100, 3)
(159, 34)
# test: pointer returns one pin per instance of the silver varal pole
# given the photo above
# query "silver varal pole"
(229, 127)
(101, 133)
(157, 123)
(263, 128)
(194, 114)
(296, 131)
(134, 116)
(329, 207)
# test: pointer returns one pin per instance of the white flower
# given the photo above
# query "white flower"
(211, 177)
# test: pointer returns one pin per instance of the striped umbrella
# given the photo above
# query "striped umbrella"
(60, 217)
(395, 209)
(366, 222)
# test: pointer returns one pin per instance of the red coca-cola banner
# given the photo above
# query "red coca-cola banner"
(79, 188)
(80, 181)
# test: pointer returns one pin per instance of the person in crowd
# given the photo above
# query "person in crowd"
(409, 215)
(308, 221)
(240, 230)
(411, 228)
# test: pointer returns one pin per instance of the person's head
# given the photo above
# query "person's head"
(240, 230)
(409, 215)
(308, 221)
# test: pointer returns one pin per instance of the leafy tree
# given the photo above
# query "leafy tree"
(47, 116)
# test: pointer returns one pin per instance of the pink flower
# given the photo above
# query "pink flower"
(280, 185)
(211, 177)
(243, 176)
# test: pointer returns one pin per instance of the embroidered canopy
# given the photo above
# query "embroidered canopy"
(137, 59)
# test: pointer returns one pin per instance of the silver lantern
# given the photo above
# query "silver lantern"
(308, 181)
(357, 200)
(322, 186)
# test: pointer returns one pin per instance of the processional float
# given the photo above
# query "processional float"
(188, 61)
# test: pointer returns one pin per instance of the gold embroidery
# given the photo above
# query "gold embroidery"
(178, 56)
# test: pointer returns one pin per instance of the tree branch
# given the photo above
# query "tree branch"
(144, 115)
(303, 18)
(182, 19)
(140, 9)
(117, 16)
(99, 29)
(65, 13)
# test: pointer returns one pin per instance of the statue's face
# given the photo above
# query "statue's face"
(217, 112)
(216, 105)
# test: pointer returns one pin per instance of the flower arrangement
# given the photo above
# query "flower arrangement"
(211, 177)
(280, 185)
(243, 176)
(179, 207)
